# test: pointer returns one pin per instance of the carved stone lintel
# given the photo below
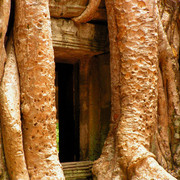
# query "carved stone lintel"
(72, 42)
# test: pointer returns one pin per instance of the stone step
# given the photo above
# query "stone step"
(77, 170)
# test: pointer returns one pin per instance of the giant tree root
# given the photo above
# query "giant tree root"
(10, 118)
(150, 169)
(34, 52)
(107, 166)
(168, 47)
(3, 168)
(136, 38)
(4, 18)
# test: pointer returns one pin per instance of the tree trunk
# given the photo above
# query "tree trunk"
(143, 140)
(34, 52)
(144, 102)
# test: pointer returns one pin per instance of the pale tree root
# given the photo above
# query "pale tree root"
(137, 160)
(10, 118)
(107, 166)
(3, 168)
(166, 57)
(168, 64)
(160, 141)
(89, 12)
(35, 57)
(150, 169)
(4, 18)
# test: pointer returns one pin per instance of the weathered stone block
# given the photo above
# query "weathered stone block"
(78, 170)
(72, 42)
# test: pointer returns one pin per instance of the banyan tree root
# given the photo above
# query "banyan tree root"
(10, 118)
(137, 41)
(168, 47)
(4, 18)
(161, 146)
(150, 169)
(35, 57)
(3, 168)
(89, 12)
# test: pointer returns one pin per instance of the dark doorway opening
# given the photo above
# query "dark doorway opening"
(67, 81)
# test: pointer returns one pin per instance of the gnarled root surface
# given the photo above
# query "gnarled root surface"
(133, 34)
(10, 118)
(34, 52)
(150, 169)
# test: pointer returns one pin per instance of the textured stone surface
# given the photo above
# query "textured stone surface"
(99, 104)
(72, 42)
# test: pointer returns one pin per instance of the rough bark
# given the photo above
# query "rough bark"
(145, 85)
(3, 168)
(10, 118)
(161, 141)
(138, 79)
(34, 52)
(168, 46)
(133, 33)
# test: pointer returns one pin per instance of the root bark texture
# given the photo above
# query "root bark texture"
(168, 48)
(10, 118)
(34, 52)
(133, 34)
(4, 18)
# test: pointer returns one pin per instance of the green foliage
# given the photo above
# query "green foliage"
(57, 136)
